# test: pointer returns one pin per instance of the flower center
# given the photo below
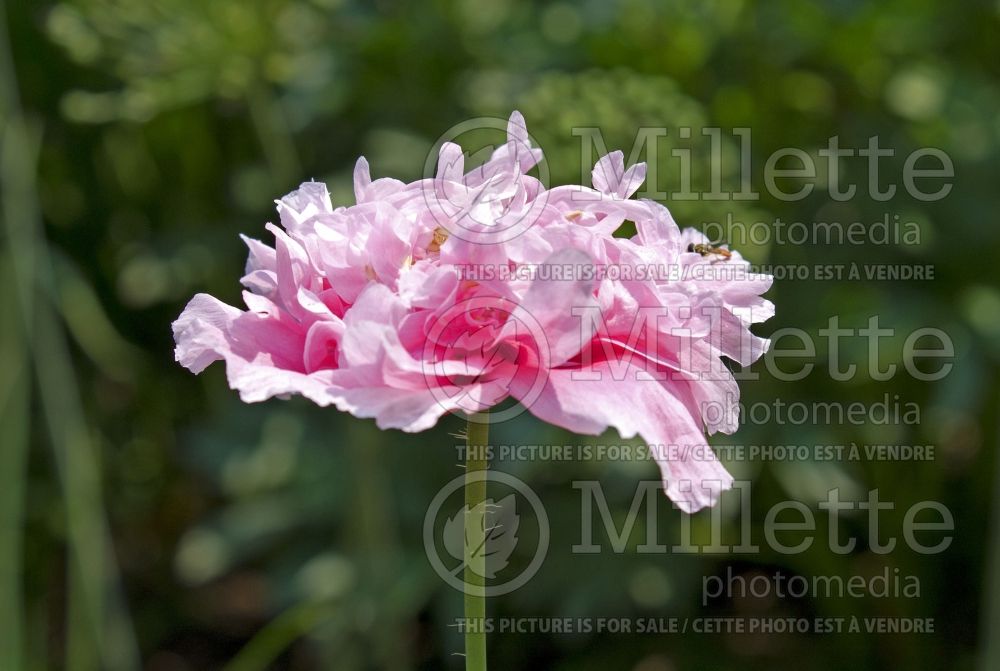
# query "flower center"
(439, 238)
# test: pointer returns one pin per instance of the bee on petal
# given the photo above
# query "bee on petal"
(708, 250)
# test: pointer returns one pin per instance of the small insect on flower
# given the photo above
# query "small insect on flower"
(706, 250)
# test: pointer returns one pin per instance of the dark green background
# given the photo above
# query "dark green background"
(150, 519)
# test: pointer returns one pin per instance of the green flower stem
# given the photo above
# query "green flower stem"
(477, 437)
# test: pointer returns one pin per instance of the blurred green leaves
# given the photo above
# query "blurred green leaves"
(174, 52)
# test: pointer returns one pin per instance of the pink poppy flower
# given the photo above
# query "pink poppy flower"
(456, 292)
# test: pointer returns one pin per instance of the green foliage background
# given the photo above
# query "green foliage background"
(150, 520)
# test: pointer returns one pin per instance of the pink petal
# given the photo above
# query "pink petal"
(692, 475)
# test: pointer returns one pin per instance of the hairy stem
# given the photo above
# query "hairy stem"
(475, 494)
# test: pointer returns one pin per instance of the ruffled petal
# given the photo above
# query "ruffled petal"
(692, 475)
